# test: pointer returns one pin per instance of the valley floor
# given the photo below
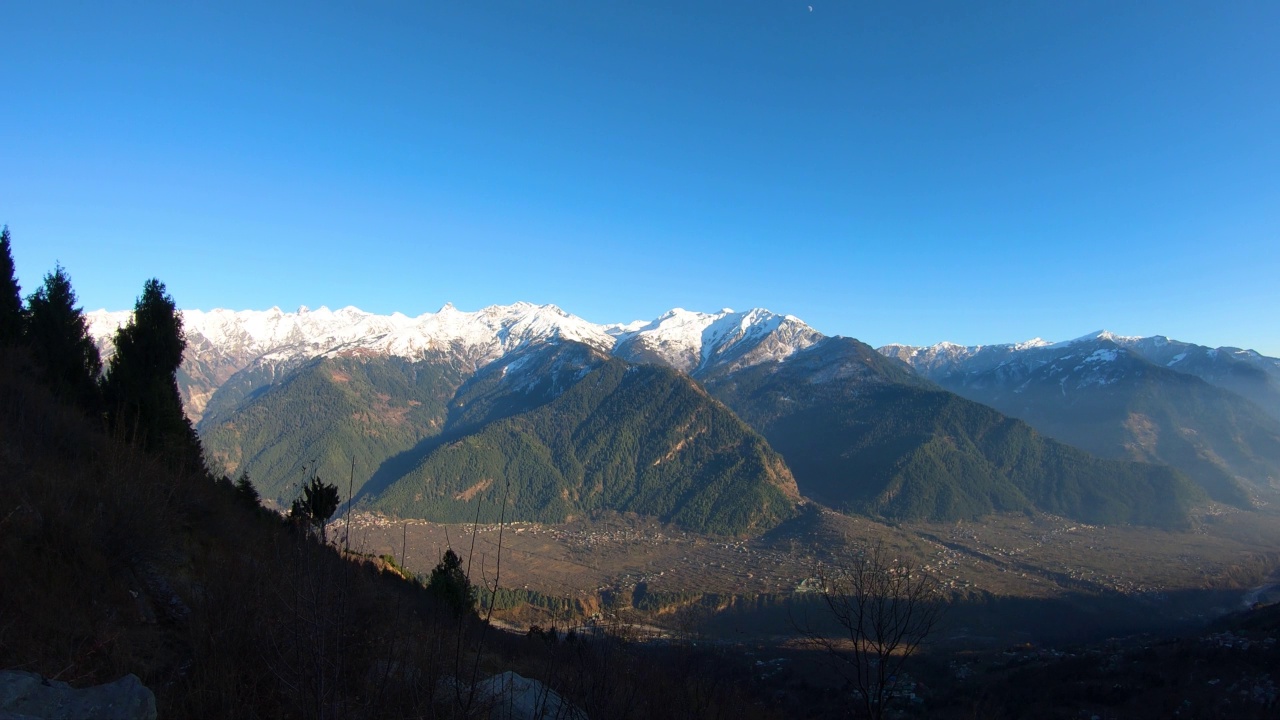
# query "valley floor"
(1014, 561)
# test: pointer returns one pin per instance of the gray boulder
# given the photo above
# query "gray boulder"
(510, 696)
(28, 696)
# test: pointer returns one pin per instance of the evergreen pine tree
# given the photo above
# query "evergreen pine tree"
(11, 319)
(65, 357)
(246, 492)
(318, 502)
(141, 387)
(450, 583)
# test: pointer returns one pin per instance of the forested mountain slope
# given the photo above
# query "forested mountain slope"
(327, 413)
(862, 433)
(627, 438)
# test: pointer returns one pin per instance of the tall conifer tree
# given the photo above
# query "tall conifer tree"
(141, 387)
(65, 356)
(11, 319)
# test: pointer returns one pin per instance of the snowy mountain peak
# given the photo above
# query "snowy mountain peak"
(1097, 359)
(620, 329)
(932, 357)
(482, 335)
(694, 341)
(1035, 342)
(687, 340)
(1105, 335)
(220, 343)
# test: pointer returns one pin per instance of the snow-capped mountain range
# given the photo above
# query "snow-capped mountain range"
(945, 356)
(1094, 359)
(693, 342)
(680, 338)
(223, 342)
(486, 334)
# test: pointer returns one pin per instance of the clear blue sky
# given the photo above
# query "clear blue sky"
(895, 171)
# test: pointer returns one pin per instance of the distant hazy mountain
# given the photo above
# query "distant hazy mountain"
(1197, 409)
(1247, 373)
(864, 433)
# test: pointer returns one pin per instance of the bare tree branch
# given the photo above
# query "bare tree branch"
(885, 608)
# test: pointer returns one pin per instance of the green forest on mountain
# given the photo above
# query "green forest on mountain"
(627, 438)
(325, 415)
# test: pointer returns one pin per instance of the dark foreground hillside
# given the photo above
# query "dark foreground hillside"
(1231, 669)
(113, 564)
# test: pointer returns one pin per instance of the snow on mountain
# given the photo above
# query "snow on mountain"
(695, 341)
(221, 343)
(622, 329)
(1098, 358)
(1090, 360)
(1121, 340)
(931, 358)
(277, 335)
(946, 357)
(484, 335)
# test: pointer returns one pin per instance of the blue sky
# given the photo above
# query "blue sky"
(895, 171)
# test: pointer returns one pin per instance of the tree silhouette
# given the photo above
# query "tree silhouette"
(318, 503)
(65, 357)
(450, 583)
(11, 316)
(885, 608)
(140, 389)
(245, 491)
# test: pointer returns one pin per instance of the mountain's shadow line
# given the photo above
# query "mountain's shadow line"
(455, 428)
(402, 463)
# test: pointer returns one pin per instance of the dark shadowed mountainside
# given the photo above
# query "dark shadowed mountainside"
(326, 413)
(861, 432)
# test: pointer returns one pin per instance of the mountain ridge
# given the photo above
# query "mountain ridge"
(684, 339)
(224, 342)
(278, 393)
(1211, 412)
